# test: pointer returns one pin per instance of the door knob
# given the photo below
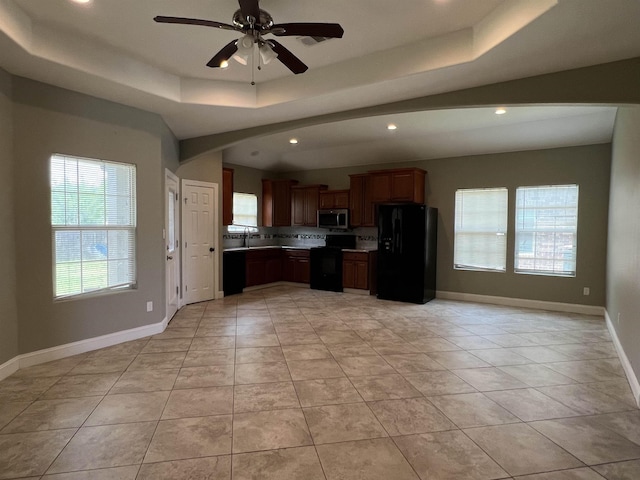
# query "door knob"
(211, 249)
(169, 258)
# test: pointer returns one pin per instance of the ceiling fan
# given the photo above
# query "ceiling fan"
(254, 23)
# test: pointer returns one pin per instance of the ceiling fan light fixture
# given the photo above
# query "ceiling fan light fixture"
(224, 64)
(245, 49)
(267, 54)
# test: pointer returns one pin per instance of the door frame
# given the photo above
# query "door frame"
(169, 175)
(216, 230)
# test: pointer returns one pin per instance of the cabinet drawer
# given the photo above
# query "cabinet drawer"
(355, 256)
(296, 253)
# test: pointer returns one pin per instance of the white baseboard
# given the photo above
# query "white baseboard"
(634, 383)
(9, 367)
(522, 302)
(82, 346)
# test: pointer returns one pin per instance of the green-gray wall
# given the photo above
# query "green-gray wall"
(8, 309)
(623, 254)
(586, 166)
(48, 120)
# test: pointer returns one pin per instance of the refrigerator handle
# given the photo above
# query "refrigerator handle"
(397, 237)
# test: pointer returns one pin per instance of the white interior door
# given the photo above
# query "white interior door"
(172, 243)
(199, 234)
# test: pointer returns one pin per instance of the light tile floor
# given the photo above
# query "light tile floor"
(289, 383)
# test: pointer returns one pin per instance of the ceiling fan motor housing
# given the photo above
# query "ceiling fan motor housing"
(265, 22)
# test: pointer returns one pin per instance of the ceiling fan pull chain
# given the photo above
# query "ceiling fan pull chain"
(253, 70)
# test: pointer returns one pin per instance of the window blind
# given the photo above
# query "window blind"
(93, 219)
(480, 241)
(546, 229)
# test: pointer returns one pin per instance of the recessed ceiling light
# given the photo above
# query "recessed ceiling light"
(392, 126)
(501, 111)
(293, 141)
(81, 1)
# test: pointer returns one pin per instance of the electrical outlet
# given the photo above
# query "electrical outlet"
(149, 306)
(586, 291)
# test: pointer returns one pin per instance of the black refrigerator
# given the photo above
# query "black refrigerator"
(407, 238)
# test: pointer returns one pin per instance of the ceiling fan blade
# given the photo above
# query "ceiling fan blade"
(330, 30)
(195, 21)
(289, 60)
(223, 55)
(250, 8)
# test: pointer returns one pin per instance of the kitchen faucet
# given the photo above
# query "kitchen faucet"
(245, 242)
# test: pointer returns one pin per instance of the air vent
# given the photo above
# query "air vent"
(310, 41)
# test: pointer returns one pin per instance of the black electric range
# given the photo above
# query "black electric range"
(326, 262)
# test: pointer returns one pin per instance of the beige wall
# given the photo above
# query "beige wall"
(623, 254)
(8, 309)
(51, 120)
(587, 166)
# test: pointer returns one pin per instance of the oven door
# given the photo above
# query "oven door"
(326, 269)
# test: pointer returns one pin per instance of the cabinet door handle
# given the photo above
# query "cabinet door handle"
(169, 257)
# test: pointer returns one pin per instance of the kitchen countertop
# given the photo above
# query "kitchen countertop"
(263, 247)
(288, 247)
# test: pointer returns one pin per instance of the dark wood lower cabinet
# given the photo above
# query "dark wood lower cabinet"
(274, 265)
(295, 266)
(263, 266)
(355, 270)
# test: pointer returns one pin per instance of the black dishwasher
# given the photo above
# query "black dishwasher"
(233, 268)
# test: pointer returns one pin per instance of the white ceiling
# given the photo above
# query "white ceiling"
(425, 135)
(390, 51)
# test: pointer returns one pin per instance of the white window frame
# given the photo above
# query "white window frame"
(494, 258)
(561, 220)
(112, 229)
(247, 226)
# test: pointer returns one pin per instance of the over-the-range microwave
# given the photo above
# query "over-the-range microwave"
(337, 218)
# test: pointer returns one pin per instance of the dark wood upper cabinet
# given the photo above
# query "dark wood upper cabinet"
(334, 199)
(407, 185)
(276, 202)
(398, 185)
(362, 208)
(227, 196)
(381, 186)
(304, 204)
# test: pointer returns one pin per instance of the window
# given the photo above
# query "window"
(481, 229)
(245, 212)
(546, 229)
(93, 220)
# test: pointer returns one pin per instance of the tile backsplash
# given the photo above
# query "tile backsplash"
(366, 237)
